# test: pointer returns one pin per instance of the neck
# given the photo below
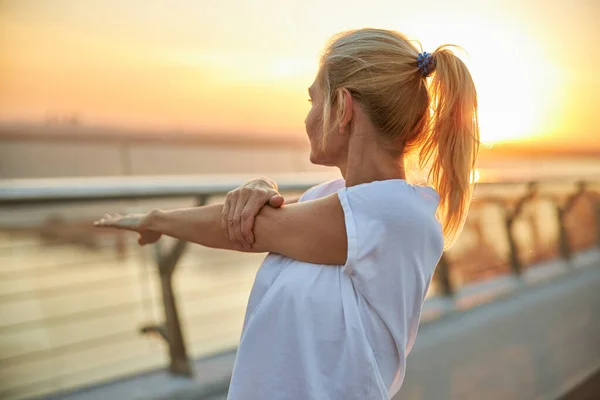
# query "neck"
(367, 161)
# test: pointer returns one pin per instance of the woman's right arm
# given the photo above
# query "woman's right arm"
(312, 231)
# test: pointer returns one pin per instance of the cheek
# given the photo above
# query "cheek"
(314, 128)
(312, 122)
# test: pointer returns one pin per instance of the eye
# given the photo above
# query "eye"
(310, 101)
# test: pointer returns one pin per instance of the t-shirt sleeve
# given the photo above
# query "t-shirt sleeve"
(321, 190)
(393, 246)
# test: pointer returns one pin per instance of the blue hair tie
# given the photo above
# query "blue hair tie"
(426, 63)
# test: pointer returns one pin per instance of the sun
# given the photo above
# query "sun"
(516, 84)
(513, 103)
(503, 116)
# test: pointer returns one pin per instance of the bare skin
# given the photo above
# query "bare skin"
(240, 209)
(243, 204)
(312, 231)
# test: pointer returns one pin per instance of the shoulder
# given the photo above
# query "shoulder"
(394, 197)
(393, 208)
(322, 190)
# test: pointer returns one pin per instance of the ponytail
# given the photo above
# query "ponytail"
(453, 142)
(388, 74)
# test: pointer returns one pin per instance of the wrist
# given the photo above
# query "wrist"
(154, 220)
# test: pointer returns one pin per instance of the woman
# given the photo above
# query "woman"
(335, 306)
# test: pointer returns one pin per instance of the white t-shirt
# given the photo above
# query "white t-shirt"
(343, 332)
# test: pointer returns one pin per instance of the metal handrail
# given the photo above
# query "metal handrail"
(59, 190)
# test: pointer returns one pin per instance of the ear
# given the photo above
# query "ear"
(345, 110)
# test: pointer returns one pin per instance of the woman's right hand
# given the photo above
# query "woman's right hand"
(241, 207)
(132, 222)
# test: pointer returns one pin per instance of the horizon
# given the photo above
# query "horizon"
(29, 130)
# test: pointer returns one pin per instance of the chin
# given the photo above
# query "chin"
(320, 161)
(313, 159)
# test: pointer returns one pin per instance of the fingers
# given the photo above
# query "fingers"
(130, 222)
(235, 204)
(229, 199)
(241, 207)
(257, 199)
(109, 220)
(248, 216)
(276, 200)
(237, 223)
(227, 215)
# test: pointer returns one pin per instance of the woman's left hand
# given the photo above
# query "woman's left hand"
(241, 207)
(130, 222)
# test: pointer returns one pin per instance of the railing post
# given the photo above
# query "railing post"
(443, 276)
(597, 209)
(513, 256)
(515, 262)
(179, 362)
(564, 246)
(563, 238)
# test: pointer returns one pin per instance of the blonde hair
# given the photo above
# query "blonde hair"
(436, 119)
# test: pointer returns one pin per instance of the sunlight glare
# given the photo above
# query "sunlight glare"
(516, 85)
(475, 175)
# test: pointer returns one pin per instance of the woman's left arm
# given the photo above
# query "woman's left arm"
(312, 231)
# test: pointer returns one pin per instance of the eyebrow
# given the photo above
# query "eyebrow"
(310, 90)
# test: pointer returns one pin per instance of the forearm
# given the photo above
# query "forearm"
(201, 225)
(292, 200)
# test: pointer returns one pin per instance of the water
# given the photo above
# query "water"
(78, 157)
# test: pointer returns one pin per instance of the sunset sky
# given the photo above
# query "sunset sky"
(244, 66)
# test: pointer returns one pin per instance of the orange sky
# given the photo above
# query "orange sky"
(243, 66)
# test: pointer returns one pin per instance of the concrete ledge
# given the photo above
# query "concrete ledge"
(540, 342)
(589, 389)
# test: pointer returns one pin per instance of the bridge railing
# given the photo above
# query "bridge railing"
(512, 229)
